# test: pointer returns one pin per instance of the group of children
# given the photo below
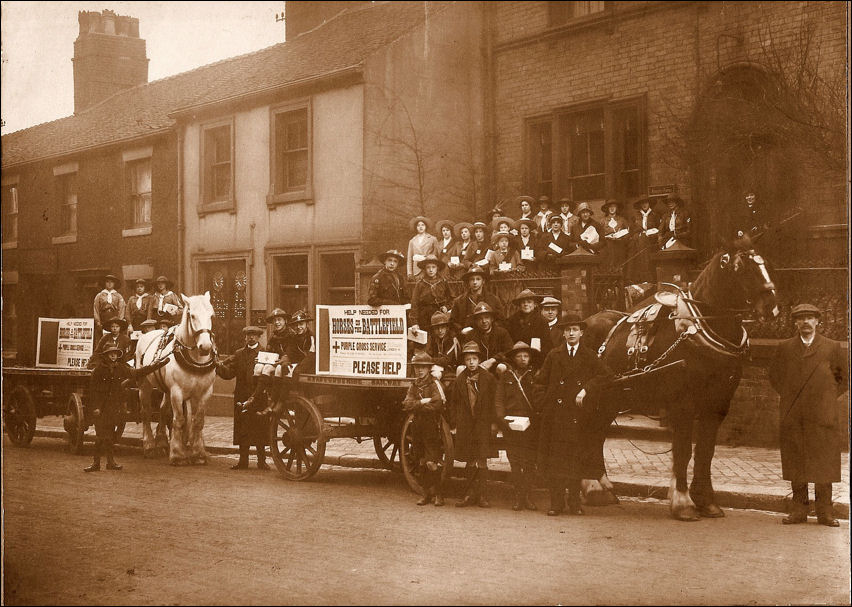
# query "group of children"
(536, 241)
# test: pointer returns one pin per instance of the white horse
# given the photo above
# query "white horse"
(186, 379)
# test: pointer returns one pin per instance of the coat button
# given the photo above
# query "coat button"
(561, 381)
(559, 400)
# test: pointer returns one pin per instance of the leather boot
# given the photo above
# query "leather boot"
(557, 501)
(96, 465)
(798, 505)
(261, 458)
(483, 489)
(824, 511)
(111, 465)
(426, 499)
(243, 463)
(439, 494)
(469, 499)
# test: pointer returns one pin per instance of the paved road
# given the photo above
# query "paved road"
(157, 534)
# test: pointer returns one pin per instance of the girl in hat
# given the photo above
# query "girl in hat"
(446, 242)
(272, 374)
(479, 248)
(431, 293)
(527, 324)
(458, 257)
(166, 305)
(644, 230)
(589, 232)
(501, 258)
(516, 396)
(421, 244)
(139, 305)
(443, 344)
(505, 225)
(614, 224)
(569, 220)
(115, 338)
(676, 223)
(554, 244)
(108, 303)
(425, 398)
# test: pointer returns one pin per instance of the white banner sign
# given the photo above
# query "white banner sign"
(65, 342)
(362, 341)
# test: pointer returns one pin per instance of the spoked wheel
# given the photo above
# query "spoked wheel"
(412, 466)
(388, 451)
(297, 439)
(75, 424)
(19, 416)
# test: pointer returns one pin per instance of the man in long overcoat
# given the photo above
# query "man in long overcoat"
(809, 372)
(250, 424)
(569, 372)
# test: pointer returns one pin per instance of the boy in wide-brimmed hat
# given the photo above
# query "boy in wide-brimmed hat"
(166, 305)
(517, 396)
(443, 344)
(431, 293)
(493, 340)
(471, 413)
(387, 287)
(568, 373)
(116, 337)
(421, 244)
(462, 309)
(425, 399)
(108, 303)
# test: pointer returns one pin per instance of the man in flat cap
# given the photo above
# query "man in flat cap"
(810, 371)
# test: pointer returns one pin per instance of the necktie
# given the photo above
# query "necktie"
(571, 351)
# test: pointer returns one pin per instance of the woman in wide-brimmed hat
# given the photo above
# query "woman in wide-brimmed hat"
(166, 305)
(676, 224)
(615, 231)
(108, 302)
(644, 229)
(421, 244)
(527, 324)
(589, 232)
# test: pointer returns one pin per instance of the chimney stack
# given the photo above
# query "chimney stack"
(109, 56)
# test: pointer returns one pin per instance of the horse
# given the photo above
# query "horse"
(685, 352)
(187, 379)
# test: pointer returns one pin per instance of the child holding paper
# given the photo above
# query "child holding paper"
(501, 258)
(554, 244)
(589, 232)
(517, 410)
(272, 373)
(431, 293)
(615, 231)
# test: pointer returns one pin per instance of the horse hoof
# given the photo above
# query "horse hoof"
(178, 462)
(687, 514)
(201, 461)
(710, 511)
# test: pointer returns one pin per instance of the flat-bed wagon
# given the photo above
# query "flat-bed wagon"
(324, 407)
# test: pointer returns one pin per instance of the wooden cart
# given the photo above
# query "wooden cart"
(324, 407)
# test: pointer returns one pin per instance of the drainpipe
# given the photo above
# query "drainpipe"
(489, 94)
(181, 226)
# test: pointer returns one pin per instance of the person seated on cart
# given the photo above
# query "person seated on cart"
(106, 397)
(462, 313)
(471, 413)
(431, 293)
(148, 325)
(425, 399)
(387, 287)
(301, 345)
(139, 305)
(108, 303)
(527, 324)
(443, 345)
(117, 337)
(250, 422)
(271, 375)
(516, 397)
(493, 341)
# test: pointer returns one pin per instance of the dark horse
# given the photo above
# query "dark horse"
(690, 360)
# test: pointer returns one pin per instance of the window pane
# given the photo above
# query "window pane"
(596, 152)
(10, 213)
(222, 144)
(221, 182)
(291, 150)
(297, 169)
(589, 188)
(541, 159)
(338, 278)
(292, 278)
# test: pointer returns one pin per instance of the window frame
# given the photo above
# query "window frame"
(206, 205)
(130, 159)
(554, 22)
(10, 314)
(12, 183)
(561, 154)
(305, 194)
(62, 174)
(317, 282)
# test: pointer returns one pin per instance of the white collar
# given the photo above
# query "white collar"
(806, 342)
(553, 322)
(646, 213)
(254, 347)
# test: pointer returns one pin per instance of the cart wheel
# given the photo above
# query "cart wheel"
(19, 416)
(410, 459)
(297, 439)
(388, 451)
(75, 424)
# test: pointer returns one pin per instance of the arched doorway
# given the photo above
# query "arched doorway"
(736, 143)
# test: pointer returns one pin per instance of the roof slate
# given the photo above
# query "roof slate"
(342, 42)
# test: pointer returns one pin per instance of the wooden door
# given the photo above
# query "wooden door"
(227, 282)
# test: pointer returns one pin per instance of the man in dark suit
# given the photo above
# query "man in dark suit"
(250, 424)
(568, 374)
(809, 372)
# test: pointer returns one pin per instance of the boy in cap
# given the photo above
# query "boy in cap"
(148, 325)
(387, 287)
(250, 424)
(568, 373)
(106, 400)
(108, 303)
(443, 345)
(472, 413)
(269, 374)
(526, 324)
(810, 372)
(165, 305)
(516, 396)
(425, 398)
(139, 305)
(431, 293)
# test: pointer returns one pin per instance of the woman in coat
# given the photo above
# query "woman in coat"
(446, 240)
(809, 372)
(421, 244)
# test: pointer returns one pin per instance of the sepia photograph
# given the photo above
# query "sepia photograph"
(414, 302)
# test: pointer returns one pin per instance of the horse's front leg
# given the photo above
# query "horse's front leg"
(680, 418)
(148, 444)
(597, 488)
(710, 417)
(177, 449)
(163, 418)
(197, 408)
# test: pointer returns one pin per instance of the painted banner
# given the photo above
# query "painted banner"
(65, 342)
(362, 341)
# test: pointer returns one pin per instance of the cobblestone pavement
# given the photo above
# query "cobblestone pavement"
(744, 477)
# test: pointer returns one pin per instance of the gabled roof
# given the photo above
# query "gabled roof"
(343, 42)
